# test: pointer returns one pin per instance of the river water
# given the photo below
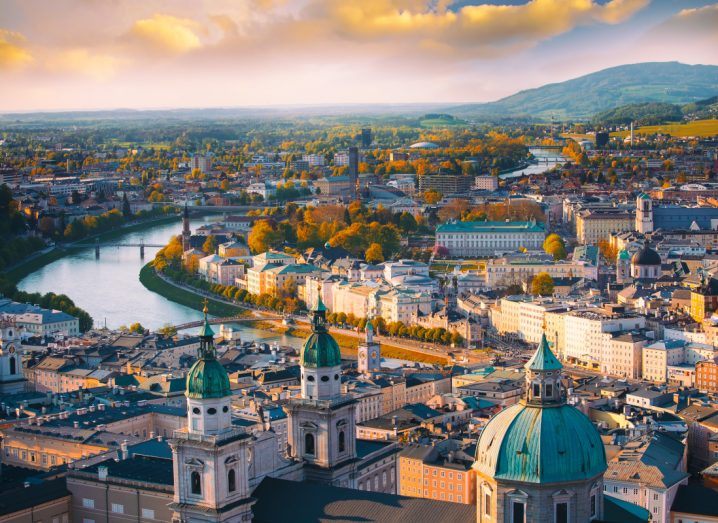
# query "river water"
(109, 288)
(547, 160)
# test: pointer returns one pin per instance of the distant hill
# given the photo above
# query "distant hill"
(583, 97)
(656, 113)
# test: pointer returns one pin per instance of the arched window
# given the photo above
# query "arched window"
(342, 441)
(196, 483)
(309, 443)
(231, 481)
(13, 366)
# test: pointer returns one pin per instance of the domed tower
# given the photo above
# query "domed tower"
(646, 264)
(623, 267)
(321, 422)
(208, 393)
(211, 457)
(540, 460)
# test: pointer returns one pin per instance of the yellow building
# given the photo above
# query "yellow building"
(599, 224)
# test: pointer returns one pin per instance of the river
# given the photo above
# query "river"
(109, 288)
(537, 168)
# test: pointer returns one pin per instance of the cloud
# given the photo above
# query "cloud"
(480, 28)
(12, 53)
(167, 33)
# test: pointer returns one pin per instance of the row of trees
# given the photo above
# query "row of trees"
(49, 300)
(397, 328)
(107, 221)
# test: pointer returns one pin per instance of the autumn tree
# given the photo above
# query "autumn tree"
(432, 196)
(542, 284)
(454, 209)
(374, 254)
(263, 237)
(555, 246)
(210, 245)
(607, 250)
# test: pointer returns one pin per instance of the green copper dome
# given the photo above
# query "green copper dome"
(543, 359)
(207, 379)
(540, 444)
(320, 349)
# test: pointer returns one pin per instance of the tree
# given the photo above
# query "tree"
(555, 246)
(374, 254)
(210, 245)
(263, 236)
(432, 196)
(542, 284)
(608, 251)
(167, 330)
(137, 328)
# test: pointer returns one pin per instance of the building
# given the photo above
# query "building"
(446, 184)
(472, 239)
(216, 269)
(201, 162)
(333, 186)
(426, 472)
(516, 269)
(647, 472)
(551, 475)
(593, 225)
(644, 214)
(366, 138)
(32, 320)
(486, 182)
(704, 299)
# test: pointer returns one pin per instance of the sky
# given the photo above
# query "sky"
(144, 54)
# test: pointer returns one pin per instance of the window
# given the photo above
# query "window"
(549, 390)
(342, 441)
(13, 366)
(487, 503)
(562, 512)
(593, 505)
(211, 411)
(518, 512)
(148, 513)
(537, 389)
(196, 483)
(118, 509)
(231, 481)
(309, 443)
(88, 503)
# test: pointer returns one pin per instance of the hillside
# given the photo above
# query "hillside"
(583, 97)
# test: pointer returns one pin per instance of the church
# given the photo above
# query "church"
(530, 464)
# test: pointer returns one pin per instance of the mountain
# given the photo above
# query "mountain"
(583, 97)
(649, 113)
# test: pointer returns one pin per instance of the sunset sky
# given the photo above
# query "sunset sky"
(93, 54)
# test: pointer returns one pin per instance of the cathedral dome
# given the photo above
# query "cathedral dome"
(539, 444)
(646, 256)
(541, 439)
(207, 379)
(320, 349)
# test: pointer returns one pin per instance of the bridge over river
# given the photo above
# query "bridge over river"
(228, 319)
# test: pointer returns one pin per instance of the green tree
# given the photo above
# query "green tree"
(210, 245)
(126, 209)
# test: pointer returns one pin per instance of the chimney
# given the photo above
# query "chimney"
(76, 424)
(102, 473)
(124, 450)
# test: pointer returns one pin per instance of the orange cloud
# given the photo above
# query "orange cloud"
(12, 53)
(99, 66)
(168, 33)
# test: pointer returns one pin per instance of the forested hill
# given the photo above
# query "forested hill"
(584, 97)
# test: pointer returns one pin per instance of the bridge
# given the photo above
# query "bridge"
(98, 245)
(228, 319)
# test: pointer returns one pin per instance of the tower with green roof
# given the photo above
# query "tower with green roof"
(321, 421)
(208, 392)
(540, 460)
(211, 457)
(644, 214)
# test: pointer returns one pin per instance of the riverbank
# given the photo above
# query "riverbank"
(153, 282)
(35, 262)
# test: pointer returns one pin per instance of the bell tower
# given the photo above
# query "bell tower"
(644, 214)
(186, 231)
(322, 429)
(543, 376)
(369, 352)
(12, 379)
(210, 456)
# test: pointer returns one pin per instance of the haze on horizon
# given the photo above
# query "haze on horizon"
(96, 54)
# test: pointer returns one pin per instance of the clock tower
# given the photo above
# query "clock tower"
(12, 379)
(369, 352)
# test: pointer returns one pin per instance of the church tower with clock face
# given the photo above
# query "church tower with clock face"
(12, 379)
(369, 353)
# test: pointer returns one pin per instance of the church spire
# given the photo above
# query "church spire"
(543, 377)
(206, 335)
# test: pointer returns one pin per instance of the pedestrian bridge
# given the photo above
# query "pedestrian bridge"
(227, 319)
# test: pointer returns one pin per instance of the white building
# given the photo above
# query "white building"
(487, 238)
